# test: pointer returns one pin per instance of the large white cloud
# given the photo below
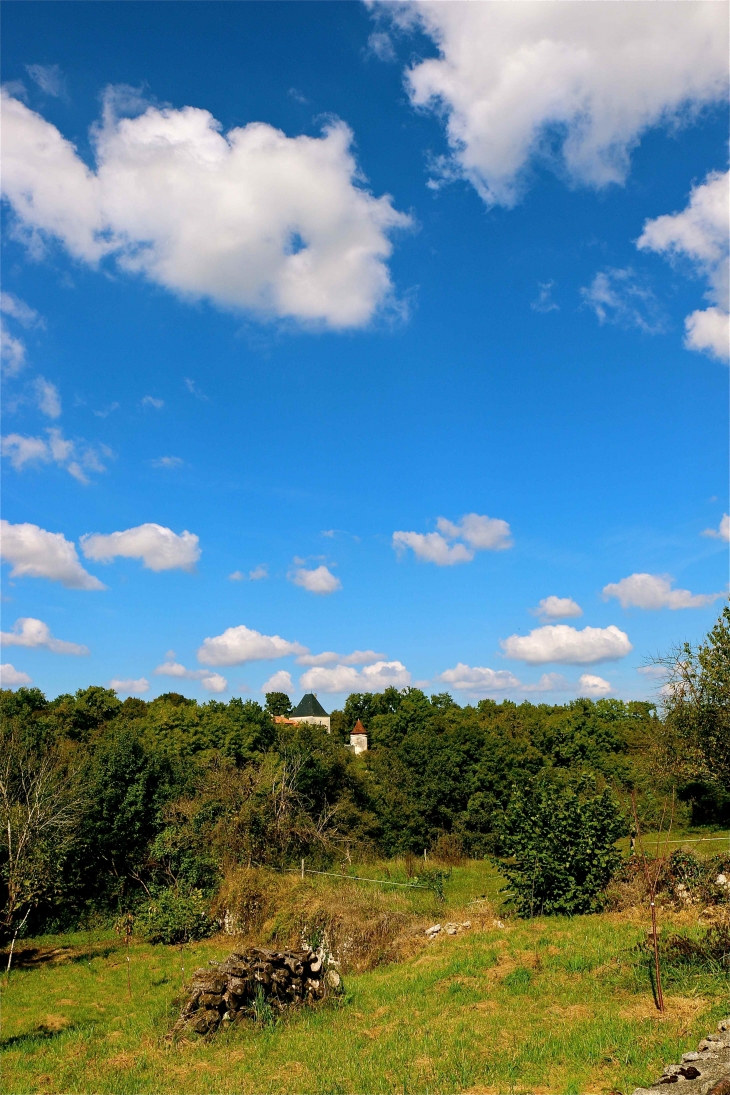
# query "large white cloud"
(36, 553)
(722, 532)
(480, 533)
(28, 631)
(160, 548)
(10, 677)
(572, 84)
(654, 591)
(212, 682)
(345, 678)
(700, 234)
(557, 608)
(251, 219)
(566, 645)
(478, 679)
(319, 580)
(238, 645)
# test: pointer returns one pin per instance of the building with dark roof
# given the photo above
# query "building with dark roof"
(309, 709)
(358, 738)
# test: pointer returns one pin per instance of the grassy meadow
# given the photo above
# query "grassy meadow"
(549, 1005)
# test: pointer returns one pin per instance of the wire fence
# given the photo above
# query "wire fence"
(354, 878)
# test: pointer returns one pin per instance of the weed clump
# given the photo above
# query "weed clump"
(172, 916)
(684, 880)
(709, 952)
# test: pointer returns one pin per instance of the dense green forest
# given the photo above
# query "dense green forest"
(107, 802)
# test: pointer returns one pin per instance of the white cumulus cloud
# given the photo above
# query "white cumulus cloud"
(479, 533)
(279, 682)
(654, 591)
(130, 685)
(478, 679)
(699, 234)
(238, 645)
(345, 678)
(592, 686)
(36, 553)
(708, 331)
(574, 85)
(566, 645)
(557, 608)
(10, 677)
(160, 548)
(432, 547)
(212, 682)
(318, 580)
(251, 219)
(723, 530)
(28, 631)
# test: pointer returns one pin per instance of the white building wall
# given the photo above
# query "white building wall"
(316, 720)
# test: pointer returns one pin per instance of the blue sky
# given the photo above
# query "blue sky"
(452, 272)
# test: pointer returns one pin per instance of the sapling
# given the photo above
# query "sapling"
(652, 871)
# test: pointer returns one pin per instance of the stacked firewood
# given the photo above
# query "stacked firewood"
(239, 987)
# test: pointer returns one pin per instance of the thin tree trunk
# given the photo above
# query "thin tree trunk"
(657, 971)
(12, 945)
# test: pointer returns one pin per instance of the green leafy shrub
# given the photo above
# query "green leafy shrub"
(561, 844)
(175, 917)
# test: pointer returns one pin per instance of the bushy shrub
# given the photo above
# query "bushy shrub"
(172, 916)
(562, 847)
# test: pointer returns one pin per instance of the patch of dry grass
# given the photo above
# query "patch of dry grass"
(550, 1005)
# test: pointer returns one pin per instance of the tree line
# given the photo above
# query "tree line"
(106, 803)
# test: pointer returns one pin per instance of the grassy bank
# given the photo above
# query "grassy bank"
(549, 1005)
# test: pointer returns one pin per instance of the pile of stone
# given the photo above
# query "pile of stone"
(449, 928)
(704, 1072)
(236, 989)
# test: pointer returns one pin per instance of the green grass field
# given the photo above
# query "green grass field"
(550, 1005)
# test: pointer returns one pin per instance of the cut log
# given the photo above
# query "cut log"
(227, 992)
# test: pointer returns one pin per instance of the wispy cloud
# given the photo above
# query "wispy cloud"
(616, 296)
(49, 79)
(544, 301)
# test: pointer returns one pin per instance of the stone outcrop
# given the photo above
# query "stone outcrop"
(704, 1072)
(241, 986)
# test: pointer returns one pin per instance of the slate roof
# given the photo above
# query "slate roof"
(309, 705)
